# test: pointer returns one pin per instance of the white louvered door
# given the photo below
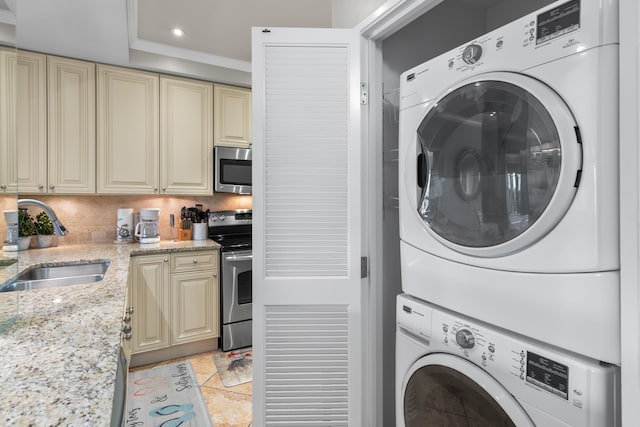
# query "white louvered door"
(308, 222)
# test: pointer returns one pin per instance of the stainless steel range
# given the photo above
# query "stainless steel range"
(232, 230)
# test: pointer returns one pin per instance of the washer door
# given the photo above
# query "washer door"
(499, 161)
(445, 390)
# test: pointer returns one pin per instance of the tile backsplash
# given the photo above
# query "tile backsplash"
(92, 219)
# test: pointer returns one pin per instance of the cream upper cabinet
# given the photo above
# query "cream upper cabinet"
(128, 131)
(31, 107)
(232, 116)
(8, 147)
(71, 126)
(186, 136)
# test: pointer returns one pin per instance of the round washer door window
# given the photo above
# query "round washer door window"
(499, 164)
(444, 390)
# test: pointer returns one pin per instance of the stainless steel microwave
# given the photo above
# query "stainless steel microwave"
(232, 170)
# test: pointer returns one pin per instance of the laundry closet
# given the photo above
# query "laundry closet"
(449, 24)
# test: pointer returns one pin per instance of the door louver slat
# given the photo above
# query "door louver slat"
(306, 366)
(306, 154)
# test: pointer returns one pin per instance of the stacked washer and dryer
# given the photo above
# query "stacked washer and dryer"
(509, 226)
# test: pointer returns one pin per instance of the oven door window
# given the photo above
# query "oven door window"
(235, 172)
(244, 288)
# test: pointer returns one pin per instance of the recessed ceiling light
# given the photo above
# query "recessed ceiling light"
(178, 32)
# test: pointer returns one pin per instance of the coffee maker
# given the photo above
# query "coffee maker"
(148, 229)
(11, 242)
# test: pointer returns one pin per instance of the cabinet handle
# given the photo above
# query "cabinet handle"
(127, 337)
(51, 187)
(215, 274)
(40, 186)
(164, 189)
(195, 261)
(4, 187)
(155, 189)
(166, 260)
(130, 310)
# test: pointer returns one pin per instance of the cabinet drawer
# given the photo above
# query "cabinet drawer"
(197, 260)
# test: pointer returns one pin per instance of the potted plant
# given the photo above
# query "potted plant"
(26, 229)
(45, 236)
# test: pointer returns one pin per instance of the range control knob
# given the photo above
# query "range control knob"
(465, 338)
(472, 54)
(222, 218)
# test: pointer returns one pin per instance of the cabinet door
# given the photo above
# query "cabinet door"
(31, 107)
(8, 147)
(195, 306)
(128, 142)
(232, 112)
(151, 302)
(186, 136)
(72, 137)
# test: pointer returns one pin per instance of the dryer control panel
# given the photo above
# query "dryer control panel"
(564, 383)
(561, 29)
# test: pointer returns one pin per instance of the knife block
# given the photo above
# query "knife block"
(183, 234)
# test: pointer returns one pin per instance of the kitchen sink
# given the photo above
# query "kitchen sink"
(48, 276)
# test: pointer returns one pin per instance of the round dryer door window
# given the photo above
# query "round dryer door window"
(444, 390)
(499, 163)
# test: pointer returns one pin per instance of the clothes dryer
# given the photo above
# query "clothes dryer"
(451, 370)
(508, 178)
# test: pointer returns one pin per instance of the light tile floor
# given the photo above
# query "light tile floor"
(228, 406)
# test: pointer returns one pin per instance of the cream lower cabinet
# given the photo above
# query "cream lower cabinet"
(232, 116)
(175, 299)
(150, 299)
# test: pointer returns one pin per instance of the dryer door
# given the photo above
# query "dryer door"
(445, 390)
(499, 162)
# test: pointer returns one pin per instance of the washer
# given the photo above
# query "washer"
(451, 370)
(508, 178)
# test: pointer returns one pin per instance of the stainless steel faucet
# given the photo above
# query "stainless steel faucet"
(60, 229)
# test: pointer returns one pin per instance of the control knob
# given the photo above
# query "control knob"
(472, 54)
(465, 338)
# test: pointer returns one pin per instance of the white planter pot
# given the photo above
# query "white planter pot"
(46, 241)
(24, 242)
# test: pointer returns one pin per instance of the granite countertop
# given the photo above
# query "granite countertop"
(58, 360)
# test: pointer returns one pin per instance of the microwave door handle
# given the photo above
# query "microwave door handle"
(236, 258)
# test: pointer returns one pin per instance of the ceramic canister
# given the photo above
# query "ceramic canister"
(124, 225)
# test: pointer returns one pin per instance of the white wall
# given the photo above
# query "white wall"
(630, 209)
(348, 13)
(422, 39)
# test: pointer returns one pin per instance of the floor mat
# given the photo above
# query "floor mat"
(234, 367)
(167, 396)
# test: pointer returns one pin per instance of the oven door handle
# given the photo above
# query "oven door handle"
(237, 258)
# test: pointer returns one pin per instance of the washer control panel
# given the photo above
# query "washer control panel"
(528, 369)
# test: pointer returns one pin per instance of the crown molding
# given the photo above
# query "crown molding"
(177, 52)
